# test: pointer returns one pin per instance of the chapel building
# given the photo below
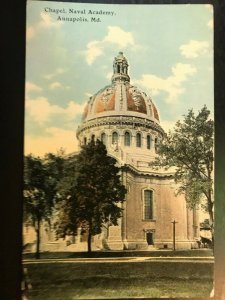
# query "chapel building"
(127, 121)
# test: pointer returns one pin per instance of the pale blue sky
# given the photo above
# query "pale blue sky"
(169, 49)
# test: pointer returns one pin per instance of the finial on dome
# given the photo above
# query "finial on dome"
(120, 68)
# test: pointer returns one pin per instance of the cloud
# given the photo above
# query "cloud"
(167, 125)
(181, 72)
(41, 111)
(57, 72)
(115, 36)
(118, 36)
(88, 94)
(210, 24)
(209, 7)
(31, 87)
(194, 48)
(30, 33)
(55, 85)
(109, 75)
(53, 139)
(47, 21)
(94, 49)
(172, 85)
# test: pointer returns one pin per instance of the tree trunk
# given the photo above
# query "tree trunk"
(89, 237)
(211, 216)
(37, 254)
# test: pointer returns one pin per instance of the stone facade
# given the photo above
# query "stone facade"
(127, 121)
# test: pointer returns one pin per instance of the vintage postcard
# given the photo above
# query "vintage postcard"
(118, 180)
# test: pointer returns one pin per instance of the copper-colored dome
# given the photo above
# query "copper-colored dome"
(105, 100)
(121, 98)
(135, 101)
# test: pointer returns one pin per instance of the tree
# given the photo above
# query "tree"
(40, 182)
(91, 198)
(189, 148)
(67, 219)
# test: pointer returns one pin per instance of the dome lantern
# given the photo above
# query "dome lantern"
(120, 69)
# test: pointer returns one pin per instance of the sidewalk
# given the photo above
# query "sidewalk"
(194, 259)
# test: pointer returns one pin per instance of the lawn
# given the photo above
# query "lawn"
(68, 281)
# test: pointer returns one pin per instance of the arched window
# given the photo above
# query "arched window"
(156, 144)
(93, 137)
(85, 141)
(127, 139)
(148, 205)
(138, 140)
(148, 142)
(114, 138)
(150, 110)
(103, 138)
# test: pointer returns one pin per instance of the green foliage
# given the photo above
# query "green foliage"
(189, 148)
(34, 190)
(41, 177)
(100, 187)
(40, 185)
(91, 192)
(67, 219)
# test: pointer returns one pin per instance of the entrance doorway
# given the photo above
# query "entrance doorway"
(149, 238)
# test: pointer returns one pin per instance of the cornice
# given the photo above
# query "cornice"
(119, 120)
(135, 171)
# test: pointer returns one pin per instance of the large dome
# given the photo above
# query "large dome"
(123, 117)
(121, 98)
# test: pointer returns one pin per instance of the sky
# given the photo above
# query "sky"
(169, 50)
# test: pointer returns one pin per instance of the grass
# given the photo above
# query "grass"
(68, 281)
(122, 288)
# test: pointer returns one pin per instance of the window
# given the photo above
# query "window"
(127, 139)
(103, 138)
(85, 141)
(114, 138)
(138, 140)
(156, 145)
(93, 138)
(148, 205)
(148, 142)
